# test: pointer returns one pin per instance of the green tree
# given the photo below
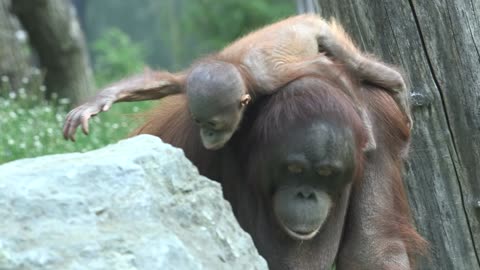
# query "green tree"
(116, 56)
(216, 23)
(174, 32)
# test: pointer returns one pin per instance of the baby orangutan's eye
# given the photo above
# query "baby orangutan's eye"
(211, 124)
(295, 168)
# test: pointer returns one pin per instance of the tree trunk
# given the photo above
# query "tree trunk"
(80, 8)
(14, 59)
(56, 36)
(307, 6)
(437, 43)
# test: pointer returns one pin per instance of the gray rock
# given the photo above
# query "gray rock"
(138, 204)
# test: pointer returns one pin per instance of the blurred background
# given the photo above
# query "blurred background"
(56, 54)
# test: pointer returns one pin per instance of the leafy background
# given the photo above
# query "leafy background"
(123, 38)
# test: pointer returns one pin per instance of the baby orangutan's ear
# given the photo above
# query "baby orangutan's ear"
(245, 100)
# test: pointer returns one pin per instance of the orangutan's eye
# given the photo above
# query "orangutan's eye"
(295, 168)
(325, 171)
(211, 124)
(330, 170)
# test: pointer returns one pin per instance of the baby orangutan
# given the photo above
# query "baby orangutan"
(219, 87)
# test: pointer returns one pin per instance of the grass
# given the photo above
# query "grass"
(31, 126)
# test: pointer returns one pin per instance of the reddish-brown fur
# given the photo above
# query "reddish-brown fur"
(328, 102)
(172, 123)
(265, 59)
(276, 56)
(393, 136)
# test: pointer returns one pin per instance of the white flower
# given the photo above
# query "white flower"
(64, 101)
(59, 118)
(21, 35)
(37, 144)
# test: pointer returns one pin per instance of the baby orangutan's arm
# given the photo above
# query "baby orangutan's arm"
(147, 86)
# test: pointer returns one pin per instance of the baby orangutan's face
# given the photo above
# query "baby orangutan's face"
(217, 125)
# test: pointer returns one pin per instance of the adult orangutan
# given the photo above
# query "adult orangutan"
(304, 188)
(219, 87)
(295, 171)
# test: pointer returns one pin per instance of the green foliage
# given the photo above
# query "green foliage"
(31, 126)
(174, 32)
(116, 56)
(140, 20)
(30, 131)
(218, 23)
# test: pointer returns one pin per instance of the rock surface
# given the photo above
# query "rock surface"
(138, 204)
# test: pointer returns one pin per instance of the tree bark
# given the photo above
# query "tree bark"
(14, 58)
(437, 43)
(56, 36)
(307, 6)
(80, 8)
